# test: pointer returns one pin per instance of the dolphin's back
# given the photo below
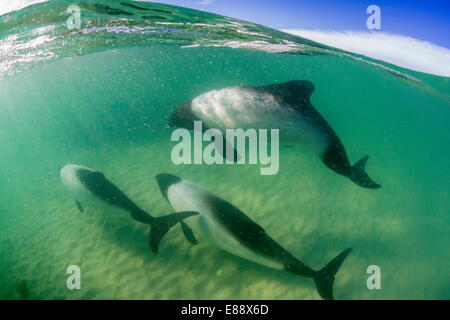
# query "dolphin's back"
(105, 190)
(249, 234)
(227, 227)
(295, 95)
(282, 106)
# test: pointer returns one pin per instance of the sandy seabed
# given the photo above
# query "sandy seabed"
(309, 210)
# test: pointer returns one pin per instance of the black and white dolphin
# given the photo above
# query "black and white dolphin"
(227, 227)
(283, 106)
(87, 185)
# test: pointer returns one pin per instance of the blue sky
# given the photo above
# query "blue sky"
(427, 20)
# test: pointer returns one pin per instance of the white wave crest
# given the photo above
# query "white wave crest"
(13, 5)
(399, 50)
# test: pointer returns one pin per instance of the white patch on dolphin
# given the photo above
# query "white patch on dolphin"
(285, 106)
(87, 185)
(225, 226)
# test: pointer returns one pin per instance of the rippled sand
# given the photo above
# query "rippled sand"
(309, 210)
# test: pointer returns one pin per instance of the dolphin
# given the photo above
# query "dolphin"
(284, 106)
(225, 226)
(86, 185)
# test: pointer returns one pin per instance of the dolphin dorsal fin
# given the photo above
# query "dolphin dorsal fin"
(294, 93)
(98, 174)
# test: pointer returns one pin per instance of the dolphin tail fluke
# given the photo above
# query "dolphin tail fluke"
(324, 278)
(159, 226)
(359, 176)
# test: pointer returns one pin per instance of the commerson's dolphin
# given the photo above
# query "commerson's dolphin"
(227, 227)
(283, 106)
(86, 185)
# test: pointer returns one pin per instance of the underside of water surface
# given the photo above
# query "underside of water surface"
(101, 96)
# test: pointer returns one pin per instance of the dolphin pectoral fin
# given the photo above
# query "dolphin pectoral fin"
(161, 225)
(79, 206)
(227, 151)
(223, 147)
(188, 233)
(359, 176)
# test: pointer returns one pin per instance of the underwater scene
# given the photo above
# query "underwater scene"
(94, 182)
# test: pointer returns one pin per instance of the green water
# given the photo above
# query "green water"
(102, 99)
